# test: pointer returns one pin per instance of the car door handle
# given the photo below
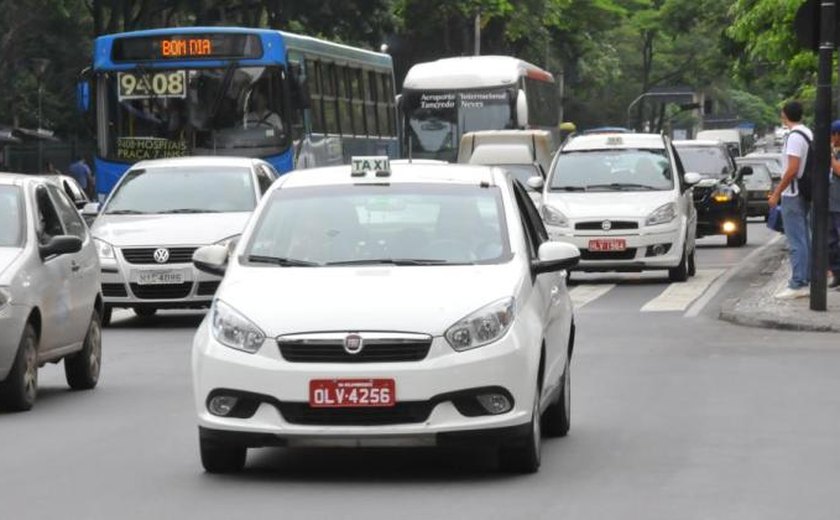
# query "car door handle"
(74, 267)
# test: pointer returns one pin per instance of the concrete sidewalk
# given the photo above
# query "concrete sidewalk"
(757, 307)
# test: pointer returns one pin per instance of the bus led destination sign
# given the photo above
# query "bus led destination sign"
(186, 46)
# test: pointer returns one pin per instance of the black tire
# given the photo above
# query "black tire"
(524, 454)
(692, 263)
(738, 239)
(222, 458)
(557, 418)
(20, 389)
(680, 272)
(105, 319)
(145, 312)
(82, 368)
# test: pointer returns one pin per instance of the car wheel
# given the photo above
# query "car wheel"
(105, 319)
(145, 312)
(222, 458)
(523, 456)
(679, 273)
(557, 419)
(692, 263)
(82, 368)
(19, 390)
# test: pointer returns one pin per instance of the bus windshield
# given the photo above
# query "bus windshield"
(435, 120)
(153, 114)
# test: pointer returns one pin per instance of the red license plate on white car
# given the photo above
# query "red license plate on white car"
(351, 393)
(608, 244)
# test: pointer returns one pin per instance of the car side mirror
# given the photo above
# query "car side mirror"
(521, 109)
(744, 171)
(692, 178)
(536, 183)
(555, 256)
(90, 209)
(211, 259)
(60, 245)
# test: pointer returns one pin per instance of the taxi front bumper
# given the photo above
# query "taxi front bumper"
(427, 395)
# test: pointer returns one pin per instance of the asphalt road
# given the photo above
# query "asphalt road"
(675, 415)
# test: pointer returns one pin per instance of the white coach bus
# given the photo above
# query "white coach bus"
(444, 99)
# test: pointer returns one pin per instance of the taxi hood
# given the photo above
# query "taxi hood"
(612, 204)
(422, 299)
(168, 229)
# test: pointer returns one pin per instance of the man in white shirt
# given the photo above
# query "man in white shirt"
(794, 208)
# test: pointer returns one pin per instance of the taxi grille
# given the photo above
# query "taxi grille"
(596, 225)
(114, 290)
(146, 255)
(162, 292)
(628, 254)
(406, 412)
(373, 351)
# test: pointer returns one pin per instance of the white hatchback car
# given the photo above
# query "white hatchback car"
(420, 306)
(625, 201)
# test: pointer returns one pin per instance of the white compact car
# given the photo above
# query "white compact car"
(625, 201)
(50, 304)
(368, 307)
(159, 213)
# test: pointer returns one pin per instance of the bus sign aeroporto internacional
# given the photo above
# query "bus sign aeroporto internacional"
(186, 46)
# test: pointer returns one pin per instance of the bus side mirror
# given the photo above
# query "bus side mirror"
(521, 109)
(300, 89)
(83, 96)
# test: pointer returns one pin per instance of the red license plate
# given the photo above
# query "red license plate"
(351, 393)
(611, 244)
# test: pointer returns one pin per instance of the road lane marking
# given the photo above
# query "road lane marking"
(583, 294)
(678, 296)
(721, 282)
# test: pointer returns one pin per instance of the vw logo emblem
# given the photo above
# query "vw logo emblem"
(161, 255)
(606, 225)
(353, 344)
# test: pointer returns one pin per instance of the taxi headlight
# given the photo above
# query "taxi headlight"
(233, 330)
(482, 327)
(662, 215)
(104, 249)
(553, 216)
(5, 297)
(723, 195)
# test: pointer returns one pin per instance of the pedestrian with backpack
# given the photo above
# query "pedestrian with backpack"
(794, 195)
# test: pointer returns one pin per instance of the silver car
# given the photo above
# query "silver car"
(50, 304)
(158, 214)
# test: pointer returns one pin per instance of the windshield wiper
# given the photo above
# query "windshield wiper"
(621, 186)
(567, 188)
(125, 212)
(397, 261)
(223, 88)
(189, 210)
(284, 262)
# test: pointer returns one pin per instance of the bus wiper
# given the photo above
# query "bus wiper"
(217, 103)
(189, 210)
(125, 212)
(620, 186)
(284, 262)
(568, 188)
(396, 261)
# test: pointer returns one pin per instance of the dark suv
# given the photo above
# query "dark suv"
(720, 198)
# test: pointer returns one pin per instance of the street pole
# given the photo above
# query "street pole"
(822, 156)
(40, 166)
(477, 31)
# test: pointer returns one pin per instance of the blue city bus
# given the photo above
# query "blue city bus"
(292, 100)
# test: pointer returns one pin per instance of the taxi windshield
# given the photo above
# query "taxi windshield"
(183, 190)
(409, 224)
(11, 217)
(612, 170)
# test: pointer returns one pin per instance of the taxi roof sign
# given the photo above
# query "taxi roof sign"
(361, 165)
(615, 140)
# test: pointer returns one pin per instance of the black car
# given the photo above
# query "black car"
(720, 198)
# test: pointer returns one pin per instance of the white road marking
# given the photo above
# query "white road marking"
(698, 306)
(583, 294)
(678, 296)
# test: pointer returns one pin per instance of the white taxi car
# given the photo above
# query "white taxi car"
(625, 201)
(370, 307)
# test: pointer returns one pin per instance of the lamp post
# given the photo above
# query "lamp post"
(39, 67)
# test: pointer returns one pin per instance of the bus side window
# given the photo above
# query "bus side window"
(370, 102)
(382, 105)
(392, 109)
(357, 101)
(313, 81)
(343, 98)
(330, 107)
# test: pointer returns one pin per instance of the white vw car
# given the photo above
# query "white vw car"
(625, 201)
(162, 211)
(367, 307)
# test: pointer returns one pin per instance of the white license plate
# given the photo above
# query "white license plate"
(160, 277)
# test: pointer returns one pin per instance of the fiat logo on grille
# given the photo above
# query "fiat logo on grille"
(606, 225)
(353, 344)
(161, 255)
